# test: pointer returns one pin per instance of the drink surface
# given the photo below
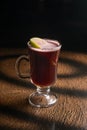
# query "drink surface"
(43, 63)
(48, 45)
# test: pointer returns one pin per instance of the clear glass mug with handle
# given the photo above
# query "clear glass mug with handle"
(43, 72)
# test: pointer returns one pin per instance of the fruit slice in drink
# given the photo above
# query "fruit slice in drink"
(37, 42)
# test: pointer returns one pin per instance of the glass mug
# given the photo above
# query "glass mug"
(43, 73)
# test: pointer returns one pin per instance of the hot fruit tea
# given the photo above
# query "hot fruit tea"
(43, 59)
(43, 63)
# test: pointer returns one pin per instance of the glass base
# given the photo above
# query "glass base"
(42, 98)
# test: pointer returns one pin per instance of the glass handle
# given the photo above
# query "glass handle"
(17, 66)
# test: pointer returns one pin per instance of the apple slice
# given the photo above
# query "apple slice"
(36, 42)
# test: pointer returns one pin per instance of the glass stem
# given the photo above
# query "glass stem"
(43, 90)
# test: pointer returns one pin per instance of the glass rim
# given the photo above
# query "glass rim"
(41, 50)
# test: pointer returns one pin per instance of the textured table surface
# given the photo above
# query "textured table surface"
(70, 111)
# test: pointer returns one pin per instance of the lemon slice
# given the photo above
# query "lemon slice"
(36, 42)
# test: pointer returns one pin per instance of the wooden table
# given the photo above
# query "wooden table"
(69, 113)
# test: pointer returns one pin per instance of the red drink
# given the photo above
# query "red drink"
(43, 59)
(43, 63)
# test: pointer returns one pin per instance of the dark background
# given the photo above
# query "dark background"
(64, 20)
